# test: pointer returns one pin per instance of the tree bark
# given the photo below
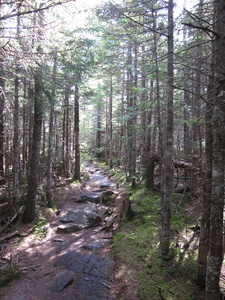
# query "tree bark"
(77, 134)
(2, 101)
(110, 122)
(50, 136)
(16, 138)
(29, 213)
(168, 153)
(67, 160)
(98, 134)
(216, 226)
(158, 103)
(204, 239)
(30, 204)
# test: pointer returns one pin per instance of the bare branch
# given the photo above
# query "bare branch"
(202, 28)
(9, 236)
(22, 13)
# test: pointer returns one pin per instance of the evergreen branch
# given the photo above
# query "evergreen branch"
(136, 22)
(22, 13)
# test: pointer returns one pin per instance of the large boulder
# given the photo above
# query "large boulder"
(85, 218)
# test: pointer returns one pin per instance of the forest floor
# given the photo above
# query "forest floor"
(36, 255)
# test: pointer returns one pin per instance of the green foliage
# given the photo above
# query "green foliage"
(40, 227)
(8, 274)
(137, 247)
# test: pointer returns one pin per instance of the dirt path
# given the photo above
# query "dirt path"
(67, 265)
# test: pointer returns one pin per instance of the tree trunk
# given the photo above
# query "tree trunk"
(31, 101)
(167, 184)
(29, 213)
(2, 100)
(203, 250)
(77, 134)
(216, 226)
(30, 204)
(25, 133)
(16, 138)
(158, 102)
(67, 161)
(204, 239)
(16, 127)
(50, 136)
(110, 122)
(98, 134)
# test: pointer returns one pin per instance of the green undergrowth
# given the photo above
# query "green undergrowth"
(8, 275)
(146, 274)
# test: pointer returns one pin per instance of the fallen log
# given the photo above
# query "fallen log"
(8, 236)
(3, 227)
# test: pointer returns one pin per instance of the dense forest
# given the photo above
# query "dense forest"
(138, 85)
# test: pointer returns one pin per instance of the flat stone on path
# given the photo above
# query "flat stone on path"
(69, 228)
(82, 217)
(61, 281)
(96, 246)
(94, 273)
(91, 197)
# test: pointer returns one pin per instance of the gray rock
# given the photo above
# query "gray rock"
(96, 246)
(69, 228)
(61, 281)
(82, 217)
(91, 207)
(94, 274)
(93, 197)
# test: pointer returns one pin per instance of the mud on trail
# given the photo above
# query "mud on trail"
(74, 265)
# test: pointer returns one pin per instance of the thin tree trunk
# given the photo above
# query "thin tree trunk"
(67, 161)
(134, 120)
(167, 184)
(158, 103)
(50, 136)
(98, 134)
(31, 100)
(203, 250)
(16, 138)
(110, 123)
(16, 127)
(2, 101)
(77, 134)
(25, 132)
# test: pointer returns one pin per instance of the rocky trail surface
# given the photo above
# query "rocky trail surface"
(73, 261)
